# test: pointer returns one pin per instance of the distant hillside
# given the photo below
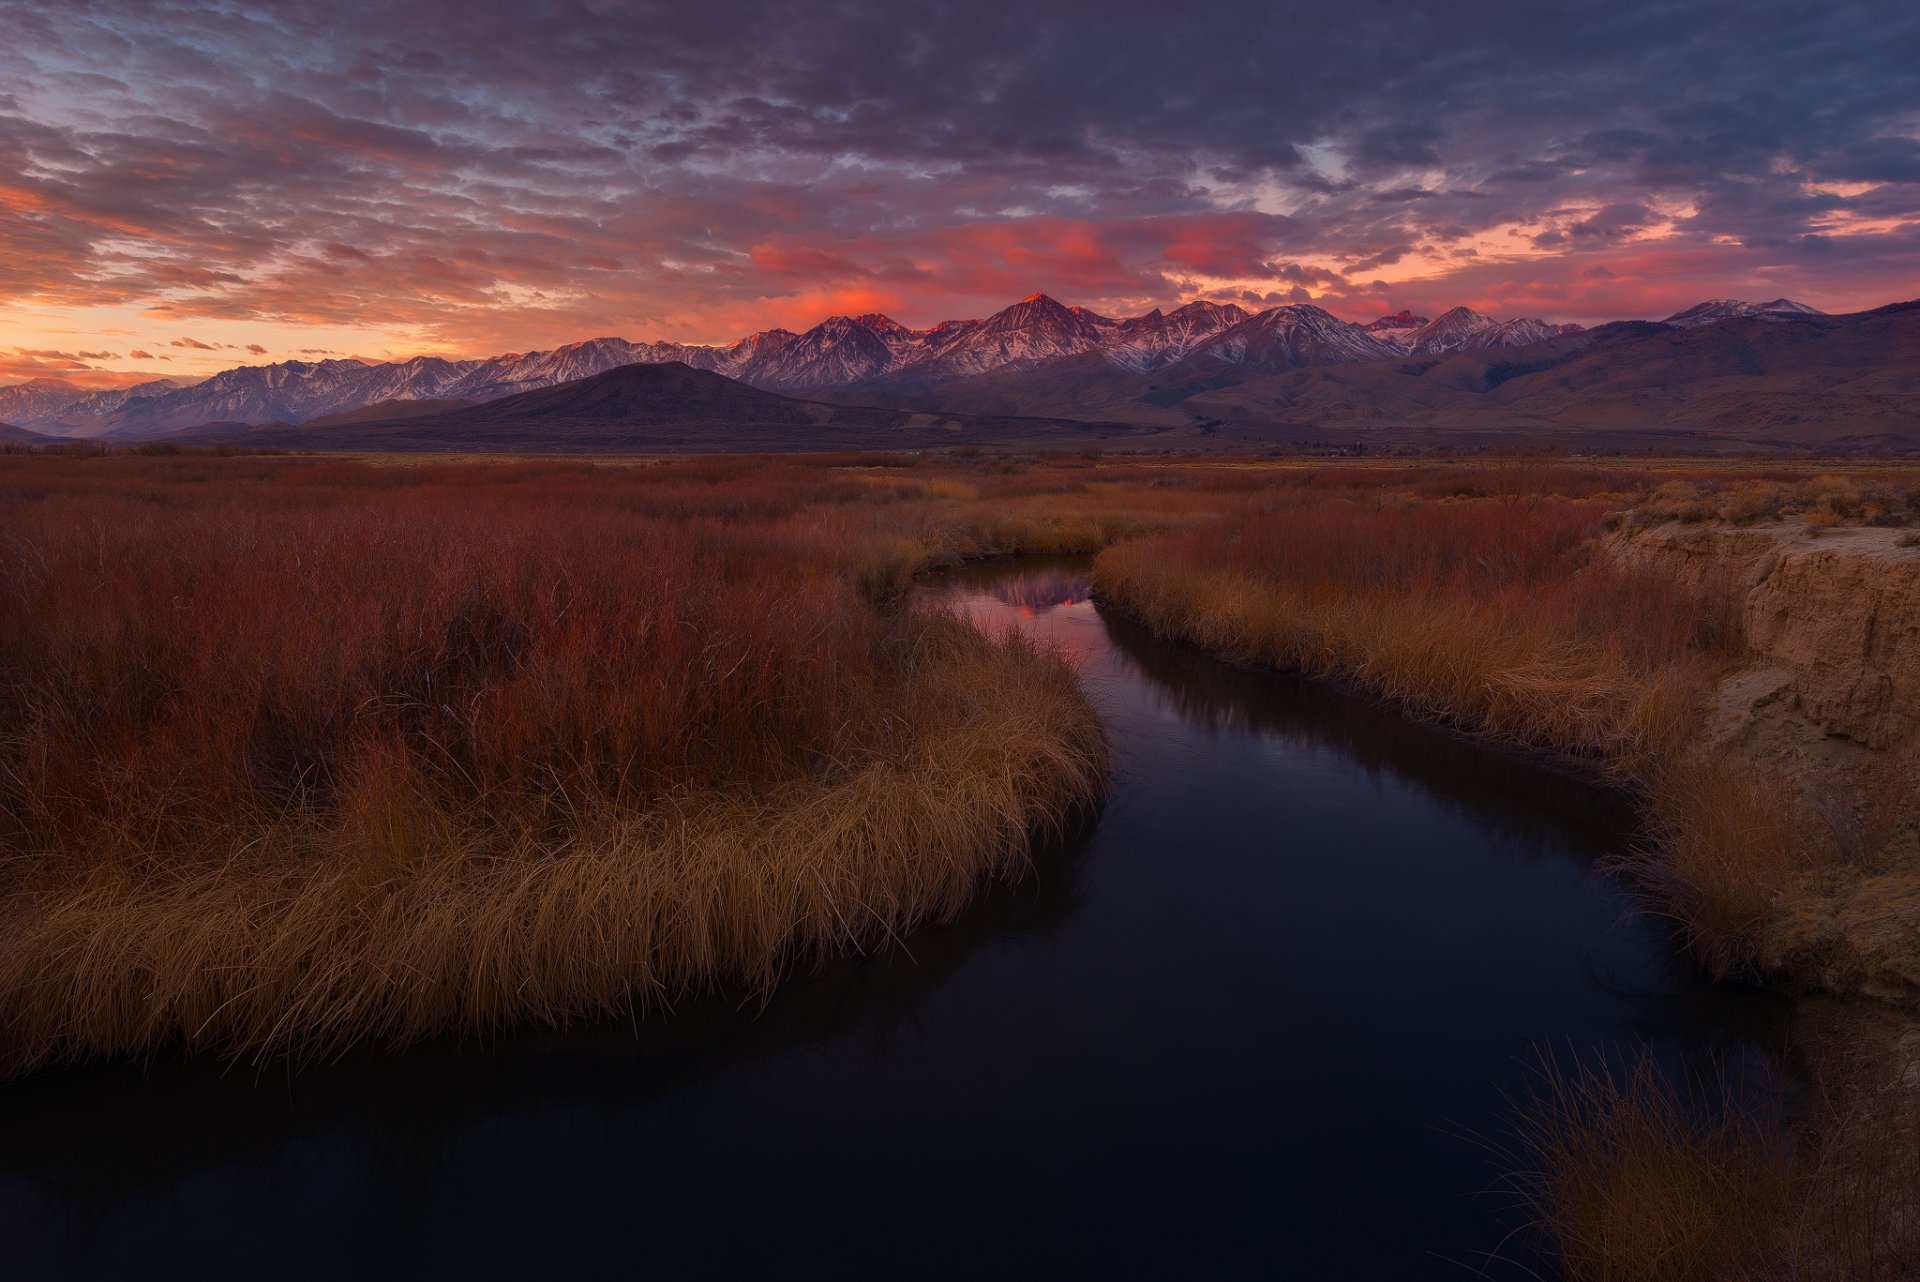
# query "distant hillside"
(1760, 382)
(390, 411)
(668, 407)
(20, 436)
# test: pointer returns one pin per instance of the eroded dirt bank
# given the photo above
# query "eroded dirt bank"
(1824, 712)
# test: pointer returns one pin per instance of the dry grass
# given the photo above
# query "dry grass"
(1822, 500)
(1731, 859)
(302, 753)
(1488, 614)
(299, 754)
(1629, 1177)
(1481, 598)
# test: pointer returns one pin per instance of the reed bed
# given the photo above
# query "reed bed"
(1488, 614)
(296, 754)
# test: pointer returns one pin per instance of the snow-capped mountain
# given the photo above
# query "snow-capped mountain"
(1715, 310)
(1033, 330)
(1462, 329)
(1402, 321)
(46, 400)
(1148, 342)
(1288, 337)
(842, 352)
(37, 400)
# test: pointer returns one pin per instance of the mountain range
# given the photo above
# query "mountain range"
(840, 354)
(1722, 374)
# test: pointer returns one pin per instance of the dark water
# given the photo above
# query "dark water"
(1241, 1030)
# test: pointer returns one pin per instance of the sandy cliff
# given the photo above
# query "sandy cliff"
(1825, 707)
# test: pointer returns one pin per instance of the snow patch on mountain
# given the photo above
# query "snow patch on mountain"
(1715, 310)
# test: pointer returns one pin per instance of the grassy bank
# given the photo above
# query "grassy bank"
(1484, 599)
(1488, 603)
(299, 754)
(1486, 614)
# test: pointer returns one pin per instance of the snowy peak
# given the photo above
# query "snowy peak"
(1461, 329)
(840, 349)
(1200, 313)
(37, 400)
(1450, 331)
(1715, 310)
(1288, 337)
(1035, 329)
(1400, 320)
(1045, 319)
(881, 323)
(1148, 342)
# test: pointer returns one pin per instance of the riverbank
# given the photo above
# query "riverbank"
(1820, 716)
(1753, 685)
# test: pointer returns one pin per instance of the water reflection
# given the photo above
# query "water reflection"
(1236, 1028)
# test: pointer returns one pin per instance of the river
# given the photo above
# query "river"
(1261, 1020)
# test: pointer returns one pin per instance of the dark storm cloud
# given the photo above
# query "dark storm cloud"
(502, 173)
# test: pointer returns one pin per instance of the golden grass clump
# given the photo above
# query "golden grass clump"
(1629, 1178)
(1731, 859)
(297, 755)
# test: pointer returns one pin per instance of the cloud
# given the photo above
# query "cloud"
(458, 178)
(256, 349)
(194, 343)
(20, 364)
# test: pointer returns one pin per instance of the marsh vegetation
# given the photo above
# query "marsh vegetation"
(299, 755)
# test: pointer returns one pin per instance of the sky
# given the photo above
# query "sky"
(186, 186)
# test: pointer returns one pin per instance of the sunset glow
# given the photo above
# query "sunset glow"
(184, 188)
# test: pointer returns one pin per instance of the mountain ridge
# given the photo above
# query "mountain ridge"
(843, 359)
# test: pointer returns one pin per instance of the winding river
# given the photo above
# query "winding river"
(1261, 1021)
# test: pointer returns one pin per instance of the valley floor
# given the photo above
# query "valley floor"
(276, 733)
